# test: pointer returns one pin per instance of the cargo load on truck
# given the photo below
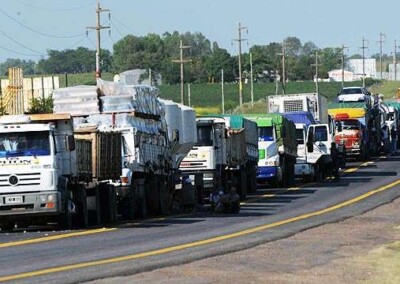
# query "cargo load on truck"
(315, 103)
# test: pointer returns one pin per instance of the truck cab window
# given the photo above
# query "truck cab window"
(320, 134)
(204, 136)
(35, 143)
(265, 133)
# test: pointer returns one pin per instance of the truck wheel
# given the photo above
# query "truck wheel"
(7, 226)
(81, 219)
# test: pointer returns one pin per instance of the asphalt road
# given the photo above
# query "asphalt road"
(126, 249)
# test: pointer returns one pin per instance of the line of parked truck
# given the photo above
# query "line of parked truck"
(116, 151)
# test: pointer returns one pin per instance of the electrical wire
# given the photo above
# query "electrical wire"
(123, 25)
(38, 32)
(20, 44)
(55, 9)
(116, 28)
(19, 53)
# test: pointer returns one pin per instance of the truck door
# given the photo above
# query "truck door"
(318, 142)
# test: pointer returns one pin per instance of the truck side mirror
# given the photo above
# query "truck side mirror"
(70, 143)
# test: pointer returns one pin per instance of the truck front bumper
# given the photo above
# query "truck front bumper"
(264, 173)
(33, 204)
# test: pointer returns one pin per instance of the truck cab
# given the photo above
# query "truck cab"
(350, 133)
(207, 152)
(268, 163)
(36, 155)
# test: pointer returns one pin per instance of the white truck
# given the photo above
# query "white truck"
(320, 136)
(226, 153)
(48, 175)
(155, 136)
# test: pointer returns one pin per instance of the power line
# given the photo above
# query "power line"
(20, 44)
(124, 26)
(55, 9)
(19, 53)
(38, 32)
(116, 28)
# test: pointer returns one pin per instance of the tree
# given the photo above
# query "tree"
(219, 60)
(80, 60)
(28, 66)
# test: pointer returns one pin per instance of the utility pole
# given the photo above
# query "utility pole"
(182, 61)
(239, 40)
(363, 47)
(395, 60)
(381, 40)
(251, 80)
(98, 28)
(222, 91)
(283, 54)
(343, 62)
(316, 64)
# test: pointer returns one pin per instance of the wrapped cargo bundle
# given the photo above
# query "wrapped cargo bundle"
(77, 101)
(119, 97)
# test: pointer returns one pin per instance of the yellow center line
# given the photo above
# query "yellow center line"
(197, 243)
(56, 237)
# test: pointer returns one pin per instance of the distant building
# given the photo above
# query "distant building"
(394, 74)
(356, 66)
(336, 75)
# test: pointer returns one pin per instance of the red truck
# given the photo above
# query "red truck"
(350, 133)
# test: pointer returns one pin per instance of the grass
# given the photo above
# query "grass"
(207, 98)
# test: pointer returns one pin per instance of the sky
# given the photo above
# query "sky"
(28, 28)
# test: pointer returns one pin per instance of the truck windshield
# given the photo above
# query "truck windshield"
(33, 143)
(300, 136)
(350, 124)
(265, 133)
(320, 133)
(204, 135)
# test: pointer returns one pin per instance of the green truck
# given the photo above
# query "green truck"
(277, 148)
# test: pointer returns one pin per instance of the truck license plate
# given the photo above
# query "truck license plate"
(13, 199)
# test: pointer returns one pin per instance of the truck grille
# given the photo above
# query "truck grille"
(294, 105)
(21, 179)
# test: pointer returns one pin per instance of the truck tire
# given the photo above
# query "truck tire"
(242, 184)
(81, 219)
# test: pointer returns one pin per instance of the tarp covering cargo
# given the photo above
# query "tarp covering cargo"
(351, 112)
(333, 105)
(303, 117)
(240, 122)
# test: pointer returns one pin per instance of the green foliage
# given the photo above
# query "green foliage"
(28, 66)
(80, 60)
(41, 105)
